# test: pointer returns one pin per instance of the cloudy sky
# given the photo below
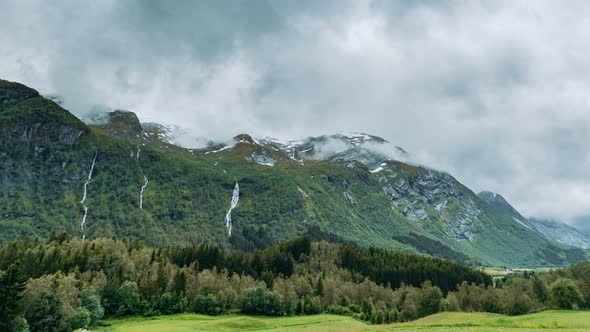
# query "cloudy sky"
(495, 92)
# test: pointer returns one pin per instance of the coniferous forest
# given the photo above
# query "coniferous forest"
(65, 284)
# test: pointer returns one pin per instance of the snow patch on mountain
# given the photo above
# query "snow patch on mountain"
(379, 169)
(176, 135)
(220, 149)
(521, 223)
(261, 159)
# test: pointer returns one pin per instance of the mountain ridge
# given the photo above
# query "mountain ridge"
(144, 187)
(550, 229)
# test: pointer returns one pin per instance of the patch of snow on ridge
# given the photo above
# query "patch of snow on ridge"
(176, 135)
(440, 206)
(288, 147)
(219, 150)
(357, 138)
(261, 159)
(379, 169)
(520, 222)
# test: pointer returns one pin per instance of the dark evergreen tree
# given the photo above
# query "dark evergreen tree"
(12, 284)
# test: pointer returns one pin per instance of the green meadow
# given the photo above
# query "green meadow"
(441, 322)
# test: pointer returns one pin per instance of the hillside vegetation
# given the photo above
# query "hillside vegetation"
(144, 188)
(67, 284)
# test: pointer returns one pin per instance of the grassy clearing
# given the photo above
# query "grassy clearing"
(442, 322)
(456, 321)
(194, 322)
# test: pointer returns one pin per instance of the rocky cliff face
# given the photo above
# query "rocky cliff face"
(35, 137)
(434, 196)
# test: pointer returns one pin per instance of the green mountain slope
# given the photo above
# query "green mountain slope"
(354, 195)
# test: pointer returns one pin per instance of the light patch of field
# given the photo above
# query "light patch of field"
(554, 320)
(500, 272)
(563, 321)
(497, 272)
(194, 322)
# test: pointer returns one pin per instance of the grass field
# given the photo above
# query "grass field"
(441, 322)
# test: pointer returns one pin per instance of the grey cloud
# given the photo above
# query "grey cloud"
(495, 92)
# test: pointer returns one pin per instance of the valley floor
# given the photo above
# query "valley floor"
(442, 322)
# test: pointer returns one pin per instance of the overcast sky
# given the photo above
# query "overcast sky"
(495, 92)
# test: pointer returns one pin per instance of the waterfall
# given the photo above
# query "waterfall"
(145, 181)
(83, 201)
(234, 202)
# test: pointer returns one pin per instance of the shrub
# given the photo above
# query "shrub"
(128, 297)
(338, 310)
(451, 303)
(20, 324)
(211, 304)
(90, 300)
(518, 303)
(430, 299)
(79, 319)
(260, 301)
(313, 306)
(565, 294)
(491, 300)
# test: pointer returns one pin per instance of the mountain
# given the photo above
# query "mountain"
(560, 232)
(119, 177)
(499, 203)
(583, 225)
(552, 230)
(585, 231)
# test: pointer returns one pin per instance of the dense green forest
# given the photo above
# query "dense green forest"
(64, 284)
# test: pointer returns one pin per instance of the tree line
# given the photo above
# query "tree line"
(65, 284)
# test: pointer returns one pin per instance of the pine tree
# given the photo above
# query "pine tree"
(320, 287)
(12, 284)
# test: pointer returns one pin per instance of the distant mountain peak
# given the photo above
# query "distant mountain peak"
(552, 230)
(126, 118)
(358, 138)
(498, 202)
(122, 123)
(244, 138)
(560, 232)
(370, 150)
